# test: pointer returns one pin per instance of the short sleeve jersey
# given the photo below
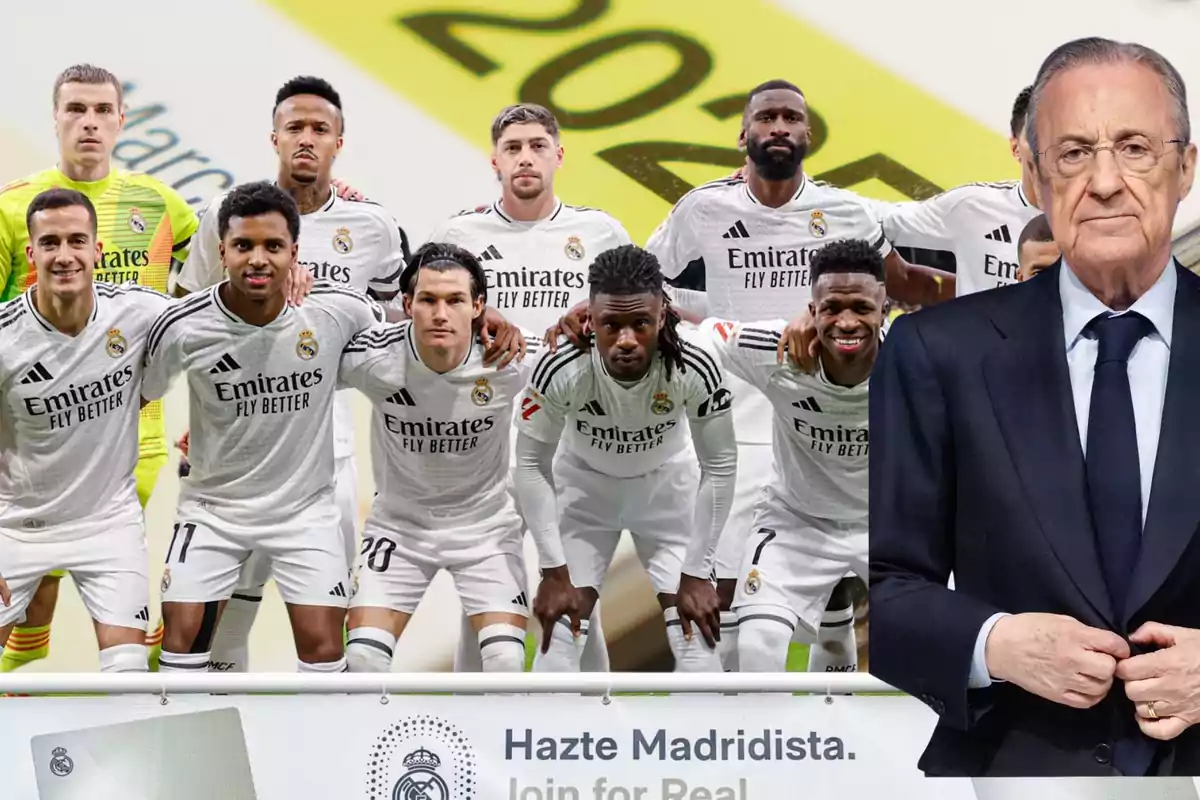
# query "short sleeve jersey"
(354, 244)
(69, 414)
(260, 399)
(536, 271)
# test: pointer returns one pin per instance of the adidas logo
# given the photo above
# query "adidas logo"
(338, 591)
(226, 364)
(592, 408)
(37, 374)
(402, 398)
(144, 614)
(521, 600)
(490, 254)
(1000, 235)
(738, 231)
(808, 404)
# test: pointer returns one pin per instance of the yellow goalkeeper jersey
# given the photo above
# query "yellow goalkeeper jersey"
(144, 226)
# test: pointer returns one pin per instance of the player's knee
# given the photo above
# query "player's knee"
(502, 648)
(125, 658)
(370, 650)
(763, 641)
(189, 627)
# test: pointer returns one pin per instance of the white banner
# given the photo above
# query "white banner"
(492, 748)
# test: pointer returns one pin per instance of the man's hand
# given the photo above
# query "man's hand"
(185, 466)
(500, 339)
(1055, 657)
(556, 598)
(346, 191)
(573, 325)
(1169, 678)
(697, 602)
(800, 341)
(298, 284)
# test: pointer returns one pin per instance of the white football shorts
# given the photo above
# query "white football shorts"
(794, 561)
(110, 567)
(305, 554)
(388, 574)
(658, 510)
(755, 470)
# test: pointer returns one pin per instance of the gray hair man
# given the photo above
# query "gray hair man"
(1049, 466)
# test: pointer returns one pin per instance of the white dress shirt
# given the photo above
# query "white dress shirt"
(1147, 380)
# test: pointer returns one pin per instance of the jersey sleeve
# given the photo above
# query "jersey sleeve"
(353, 312)
(164, 354)
(868, 226)
(184, 224)
(746, 350)
(386, 279)
(7, 249)
(373, 361)
(924, 223)
(202, 267)
(149, 303)
(708, 393)
(549, 396)
(672, 242)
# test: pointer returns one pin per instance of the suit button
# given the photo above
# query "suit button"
(1102, 753)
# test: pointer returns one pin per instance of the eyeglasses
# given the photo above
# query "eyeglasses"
(1135, 155)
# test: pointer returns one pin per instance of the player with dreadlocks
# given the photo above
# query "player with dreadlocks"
(627, 464)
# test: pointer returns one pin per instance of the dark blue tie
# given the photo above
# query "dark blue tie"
(1113, 475)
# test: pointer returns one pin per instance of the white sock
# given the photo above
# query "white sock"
(370, 650)
(595, 648)
(125, 658)
(502, 648)
(183, 662)
(836, 649)
(231, 643)
(467, 657)
(763, 639)
(327, 666)
(565, 652)
(727, 648)
(693, 656)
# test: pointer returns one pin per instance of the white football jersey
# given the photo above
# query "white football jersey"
(619, 429)
(69, 416)
(979, 223)
(439, 442)
(356, 244)
(536, 271)
(260, 400)
(756, 258)
(821, 441)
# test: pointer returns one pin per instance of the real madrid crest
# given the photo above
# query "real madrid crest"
(481, 395)
(61, 764)
(342, 242)
(817, 226)
(574, 248)
(116, 345)
(662, 404)
(307, 347)
(753, 582)
(136, 223)
(166, 580)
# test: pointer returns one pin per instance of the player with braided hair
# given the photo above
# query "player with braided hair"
(624, 408)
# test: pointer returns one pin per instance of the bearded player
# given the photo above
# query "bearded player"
(439, 443)
(145, 227)
(627, 408)
(811, 525)
(535, 251)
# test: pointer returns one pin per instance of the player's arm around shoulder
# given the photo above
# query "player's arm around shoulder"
(165, 346)
(747, 350)
(374, 360)
(553, 382)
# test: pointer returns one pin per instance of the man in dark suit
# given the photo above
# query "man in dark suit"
(1039, 442)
